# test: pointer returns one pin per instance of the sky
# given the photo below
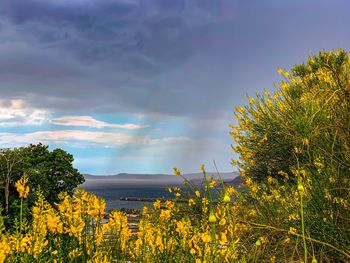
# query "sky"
(142, 86)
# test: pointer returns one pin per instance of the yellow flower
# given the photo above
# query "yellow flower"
(54, 223)
(223, 239)
(205, 201)
(230, 190)
(240, 109)
(169, 204)
(202, 168)
(5, 250)
(255, 188)
(21, 186)
(191, 202)
(284, 174)
(197, 193)
(222, 222)
(212, 218)
(300, 188)
(252, 212)
(249, 181)
(297, 149)
(302, 172)
(159, 242)
(258, 243)
(145, 210)
(96, 207)
(99, 257)
(74, 253)
(280, 71)
(267, 92)
(227, 199)
(156, 204)
(294, 216)
(292, 230)
(21, 243)
(286, 240)
(181, 228)
(165, 214)
(176, 172)
(305, 141)
(270, 180)
(206, 238)
(212, 183)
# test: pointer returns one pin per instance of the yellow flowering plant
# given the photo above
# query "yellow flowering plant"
(293, 148)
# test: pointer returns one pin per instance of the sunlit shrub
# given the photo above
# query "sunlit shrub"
(294, 147)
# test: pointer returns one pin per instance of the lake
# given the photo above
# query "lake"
(113, 195)
(112, 188)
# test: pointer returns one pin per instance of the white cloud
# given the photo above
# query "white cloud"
(68, 136)
(87, 121)
(80, 138)
(16, 112)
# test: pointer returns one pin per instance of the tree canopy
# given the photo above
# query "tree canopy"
(50, 171)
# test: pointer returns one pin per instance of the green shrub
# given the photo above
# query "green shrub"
(300, 136)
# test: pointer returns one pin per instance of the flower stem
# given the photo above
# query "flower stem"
(303, 226)
(20, 215)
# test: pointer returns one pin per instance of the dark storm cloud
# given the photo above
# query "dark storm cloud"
(100, 51)
(104, 30)
(170, 57)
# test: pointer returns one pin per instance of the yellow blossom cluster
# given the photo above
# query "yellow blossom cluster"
(22, 187)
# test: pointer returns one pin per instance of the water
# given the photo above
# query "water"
(113, 195)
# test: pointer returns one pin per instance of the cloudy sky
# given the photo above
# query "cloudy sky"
(141, 86)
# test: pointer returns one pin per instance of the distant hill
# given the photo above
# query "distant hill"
(161, 180)
(235, 182)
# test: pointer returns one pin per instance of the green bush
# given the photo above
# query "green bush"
(299, 138)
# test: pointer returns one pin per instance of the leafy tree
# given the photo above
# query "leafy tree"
(50, 171)
(9, 164)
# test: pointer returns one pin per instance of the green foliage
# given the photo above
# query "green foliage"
(2, 225)
(300, 136)
(51, 172)
(9, 168)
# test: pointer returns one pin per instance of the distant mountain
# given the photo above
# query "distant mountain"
(161, 180)
(236, 183)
